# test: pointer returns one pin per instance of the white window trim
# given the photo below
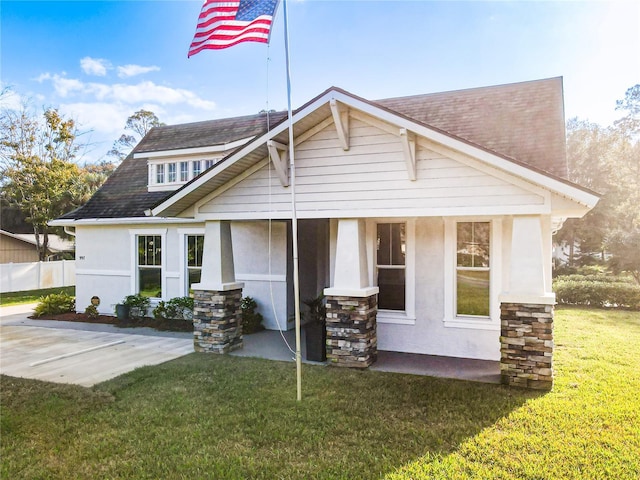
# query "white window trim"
(152, 164)
(408, 316)
(182, 252)
(133, 237)
(495, 283)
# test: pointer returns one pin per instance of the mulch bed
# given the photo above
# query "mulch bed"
(164, 324)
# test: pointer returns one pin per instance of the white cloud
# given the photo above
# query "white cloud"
(63, 85)
(126, 71)
(95, 66)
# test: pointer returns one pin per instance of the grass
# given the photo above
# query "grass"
(32, 296)
(207, 416)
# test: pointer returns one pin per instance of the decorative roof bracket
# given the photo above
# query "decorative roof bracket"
(279, 154)
(340, 114)
(409, 149)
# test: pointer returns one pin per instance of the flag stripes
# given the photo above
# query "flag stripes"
(220, 25)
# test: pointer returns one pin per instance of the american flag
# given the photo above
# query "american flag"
(225, 24)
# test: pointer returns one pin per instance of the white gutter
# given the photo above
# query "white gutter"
(121, 221)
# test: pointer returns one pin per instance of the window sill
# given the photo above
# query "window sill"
(472, 323)
(396, 318)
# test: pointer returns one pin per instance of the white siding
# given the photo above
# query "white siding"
(371, 176)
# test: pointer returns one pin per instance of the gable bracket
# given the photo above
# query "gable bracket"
(279, 154)
(340, 115)
(409, 150)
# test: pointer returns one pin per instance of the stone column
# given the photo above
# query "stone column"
(526, 309)
(352, 304)
(217, 316)
(526, 353)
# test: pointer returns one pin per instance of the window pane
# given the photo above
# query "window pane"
(150, 281)
(473, 292)
(194, 250)
(392, 287)
(159, 173)
(184, 171)
(196, 168)
(194, 277)
(384, 244)
(172, 172)
(398, 245)
(473, 244)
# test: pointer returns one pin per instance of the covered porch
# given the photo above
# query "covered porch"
(270, 345)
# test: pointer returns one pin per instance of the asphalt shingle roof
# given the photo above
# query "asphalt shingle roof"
(523, 121)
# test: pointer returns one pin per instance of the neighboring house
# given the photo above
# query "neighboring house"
(21, 247)
(426, 220)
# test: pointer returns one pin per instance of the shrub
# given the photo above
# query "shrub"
(54, 304)
(179, 308)
(92, 311)
(138, 304)
(597, 291)
(251, 320)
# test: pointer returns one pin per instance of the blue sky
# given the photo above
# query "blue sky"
(100, 61)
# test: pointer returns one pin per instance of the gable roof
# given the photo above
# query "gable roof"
(522, 122)
(56, 242)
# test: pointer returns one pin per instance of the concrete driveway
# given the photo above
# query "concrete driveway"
(80, 353)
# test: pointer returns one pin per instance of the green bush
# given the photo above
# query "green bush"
(138, 304)
(179, 308)
(251, 320)
(54, 304)
(597, 291)
(92, 311)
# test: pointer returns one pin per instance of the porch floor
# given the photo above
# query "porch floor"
(269, 344)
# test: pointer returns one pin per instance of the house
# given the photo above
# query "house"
(21, 247)
(426, 220)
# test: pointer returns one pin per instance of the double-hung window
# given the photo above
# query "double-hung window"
(391, 267)
(196, 168)
(473, 269)
(150, 265)
(160, 173)
(171, 176)
(184, 171)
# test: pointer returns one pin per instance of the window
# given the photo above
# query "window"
(208, 163)
(195, 244)
(150, 265)
(171, 173)
(184, 171)
(473, 268)
(196, 168)
(391, 265)
(160, 173)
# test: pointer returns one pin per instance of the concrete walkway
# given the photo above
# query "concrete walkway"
(86, 353)
(80, 353)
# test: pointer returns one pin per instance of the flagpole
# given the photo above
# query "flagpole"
(294, 217)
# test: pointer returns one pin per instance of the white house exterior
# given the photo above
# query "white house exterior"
(427, 221)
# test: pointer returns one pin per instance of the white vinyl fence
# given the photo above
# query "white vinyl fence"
(17, 277)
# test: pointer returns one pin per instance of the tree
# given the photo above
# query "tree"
(607, 160)
(38, 174)
(138, 125)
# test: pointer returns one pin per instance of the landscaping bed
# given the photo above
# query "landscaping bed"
(162, 324)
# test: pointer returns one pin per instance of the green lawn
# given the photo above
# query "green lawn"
(32, 296)
(208, 416)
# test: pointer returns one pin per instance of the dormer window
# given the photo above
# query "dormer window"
(169, 175)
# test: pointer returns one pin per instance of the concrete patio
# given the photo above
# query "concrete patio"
(86, 354)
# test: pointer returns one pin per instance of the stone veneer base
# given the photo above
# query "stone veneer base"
(217, 321)
(526, 345)
(351, 331)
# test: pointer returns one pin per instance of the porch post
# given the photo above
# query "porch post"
(526, 309)
(217, 320)
(352, 303)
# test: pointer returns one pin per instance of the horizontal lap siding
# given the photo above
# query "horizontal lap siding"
(371, 175)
